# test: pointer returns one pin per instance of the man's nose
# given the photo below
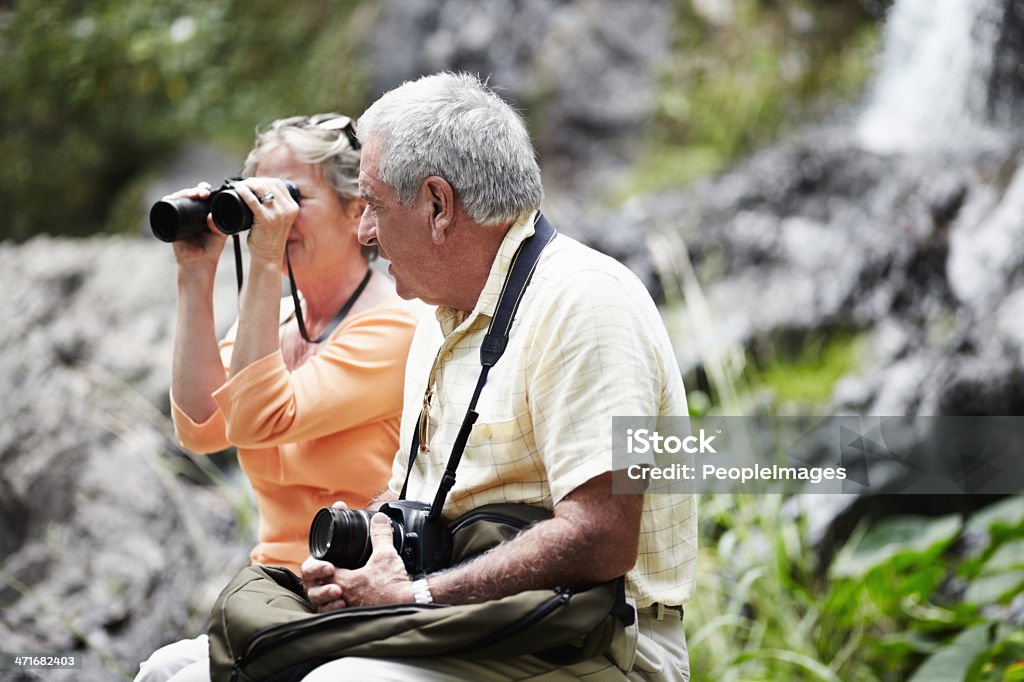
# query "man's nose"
(367, 229)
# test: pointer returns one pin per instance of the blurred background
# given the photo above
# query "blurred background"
(826, 199)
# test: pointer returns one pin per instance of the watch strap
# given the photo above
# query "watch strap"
(421, 592)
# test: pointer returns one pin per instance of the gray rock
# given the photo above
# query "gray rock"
(987, 246)
(585, 70)
(818, 234)
(108, 552)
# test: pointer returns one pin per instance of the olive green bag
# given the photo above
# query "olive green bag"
(263, 627)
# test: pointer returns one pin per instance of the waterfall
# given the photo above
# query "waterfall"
(932, 88)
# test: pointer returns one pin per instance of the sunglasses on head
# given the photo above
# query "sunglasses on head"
(325, 122)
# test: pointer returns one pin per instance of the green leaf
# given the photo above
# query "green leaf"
(1008, 512)
(989, 589)
(818, 668)
(918, 642)
(952, 663)
(1004, 662)
(1014, 673)
(1010, 555)
(897, 536)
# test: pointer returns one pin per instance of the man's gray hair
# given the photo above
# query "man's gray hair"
(454, 126)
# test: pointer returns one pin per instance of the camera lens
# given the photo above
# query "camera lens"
(341, 536)
(230, 214)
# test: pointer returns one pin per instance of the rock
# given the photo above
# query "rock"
(109, 552)
(584, 70)
(916, 243)
(818, 234)
(1005, 80)
(987, 246)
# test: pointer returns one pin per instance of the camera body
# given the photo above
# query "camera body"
(182, 217)
(342, 536)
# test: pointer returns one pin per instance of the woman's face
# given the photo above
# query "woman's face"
(325, 232)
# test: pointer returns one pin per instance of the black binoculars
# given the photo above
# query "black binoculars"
(182, 217)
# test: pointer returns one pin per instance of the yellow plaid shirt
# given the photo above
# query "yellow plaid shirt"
(587, 344)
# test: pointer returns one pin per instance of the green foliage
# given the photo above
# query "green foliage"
(96, 95)
(805, 370)
(951, 663)
(894, 541)
(889, 606)
(933, 598)
(738, 80)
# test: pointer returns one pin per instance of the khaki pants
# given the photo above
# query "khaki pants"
(651, 650)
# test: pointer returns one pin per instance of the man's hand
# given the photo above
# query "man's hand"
(382, 580)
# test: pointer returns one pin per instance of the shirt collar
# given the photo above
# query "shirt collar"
(450, 318)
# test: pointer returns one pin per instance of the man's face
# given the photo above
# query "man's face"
(401, 232)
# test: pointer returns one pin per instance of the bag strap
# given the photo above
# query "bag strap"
(520, 272)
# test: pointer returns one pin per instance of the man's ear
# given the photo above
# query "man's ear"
(440, 197)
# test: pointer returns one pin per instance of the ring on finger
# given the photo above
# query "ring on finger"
(267, 199)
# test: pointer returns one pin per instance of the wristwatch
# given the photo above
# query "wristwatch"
(421, 592)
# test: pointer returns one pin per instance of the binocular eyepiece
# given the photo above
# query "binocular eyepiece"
(183, 217)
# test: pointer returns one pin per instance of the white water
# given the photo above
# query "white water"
(930, 89)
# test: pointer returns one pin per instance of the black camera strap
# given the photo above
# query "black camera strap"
(238, 261)
(338, 317)
(524, 263)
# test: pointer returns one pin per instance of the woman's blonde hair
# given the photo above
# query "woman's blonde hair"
(325, 140)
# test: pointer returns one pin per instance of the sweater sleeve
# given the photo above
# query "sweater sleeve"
(209, 436)
(341, 387)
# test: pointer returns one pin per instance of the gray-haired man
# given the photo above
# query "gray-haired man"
(451, 184)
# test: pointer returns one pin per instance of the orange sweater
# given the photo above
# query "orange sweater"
(327, 431)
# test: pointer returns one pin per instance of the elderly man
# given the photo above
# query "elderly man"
(452, 187)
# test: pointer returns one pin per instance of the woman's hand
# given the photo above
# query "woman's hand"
(273, 214)
(202, 250)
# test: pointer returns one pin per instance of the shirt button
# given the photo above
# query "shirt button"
(449, 355)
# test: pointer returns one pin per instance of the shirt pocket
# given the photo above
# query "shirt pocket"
(503, 452)
(515, 433)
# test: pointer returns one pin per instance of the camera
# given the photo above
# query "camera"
(182, 217)
(342, 536)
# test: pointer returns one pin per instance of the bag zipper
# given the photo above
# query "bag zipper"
(556, 601)
(297, 628)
